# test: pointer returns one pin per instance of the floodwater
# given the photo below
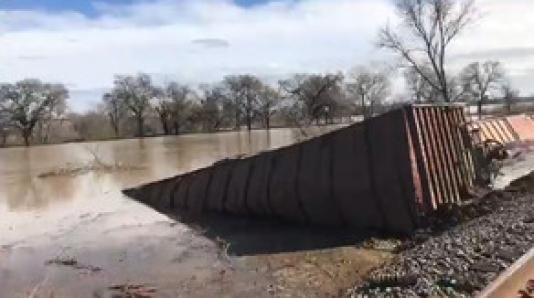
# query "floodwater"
(152, 158)
(67, 230)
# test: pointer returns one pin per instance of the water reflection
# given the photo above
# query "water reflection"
(19, 188)
(22, 190)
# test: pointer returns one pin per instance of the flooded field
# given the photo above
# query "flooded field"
(68, 231)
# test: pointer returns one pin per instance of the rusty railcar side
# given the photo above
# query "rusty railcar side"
(443, 156)
(381, 174)
(359, 176)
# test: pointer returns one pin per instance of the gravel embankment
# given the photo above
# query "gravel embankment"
(462, 260)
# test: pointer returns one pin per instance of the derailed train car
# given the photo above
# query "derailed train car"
(379, 174)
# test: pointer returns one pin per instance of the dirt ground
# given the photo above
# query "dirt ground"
(166, 259)
(324, 273)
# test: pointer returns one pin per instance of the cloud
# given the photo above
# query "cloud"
(31, 57)
(501, 34)
(497, 54)
(170, 38)
(211, 42)
(72, 40)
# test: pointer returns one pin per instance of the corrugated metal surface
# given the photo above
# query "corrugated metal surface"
(504, 129)
(443, 159)
(523, 126)
(380, 174)
(359, 176)
(498, 129)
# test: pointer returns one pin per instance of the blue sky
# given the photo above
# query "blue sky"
(83, 6)
(200, 41)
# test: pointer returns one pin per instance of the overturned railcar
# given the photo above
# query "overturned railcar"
(379, 174)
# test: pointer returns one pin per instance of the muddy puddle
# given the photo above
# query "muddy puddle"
(67, 231)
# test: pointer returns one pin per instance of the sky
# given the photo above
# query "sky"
(84, 43)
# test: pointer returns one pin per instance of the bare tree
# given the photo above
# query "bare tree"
(369, 87)
(269, 99)
(4, 127)
(312, 97)
(428, 28)
(178, 96)
(216, 104)
(243, 91)
(53, 116)
(136, 92)
(419, 90)
(28, 102)
(481, 78)
(115, 109)
(163, 107)
(510, 96)
(207, 110)
(89, 126)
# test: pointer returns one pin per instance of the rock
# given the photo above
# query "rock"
(461, 260)
(485, 266)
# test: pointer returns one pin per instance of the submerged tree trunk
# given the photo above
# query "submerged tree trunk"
(249, 121)
(268, 122)
(4, 138)
(166, 130)
(115, 126)
(116, 130)
(140, 126)
(237, 120)
(26, 135)
(165, 126)
(176, 128)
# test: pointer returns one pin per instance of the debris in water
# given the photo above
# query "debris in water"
(75, 170)
(132, 291)
(71, 262)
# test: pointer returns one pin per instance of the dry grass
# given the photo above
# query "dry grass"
(319, 273)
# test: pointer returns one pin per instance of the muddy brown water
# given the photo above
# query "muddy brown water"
(72, 233)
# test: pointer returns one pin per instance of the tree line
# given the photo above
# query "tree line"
(136, 105)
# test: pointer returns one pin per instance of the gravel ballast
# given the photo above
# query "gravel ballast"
(463, 259)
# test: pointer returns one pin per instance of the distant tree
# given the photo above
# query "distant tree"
(53, 115)
(4, 128)
(206, 111)
(369, 87)
(29, 102)
(481, 78)
(179, 96)
(268, 102)
(428, 28)
(510, 96)
(88, 125)
(312, 97)
(137, 93)
(163, 107)
(115, 108)
(212, 103)
(243, 91)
